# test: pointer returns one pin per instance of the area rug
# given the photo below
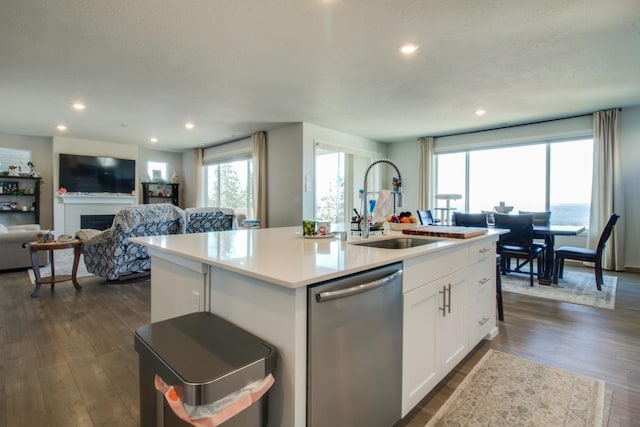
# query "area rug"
(506, 390)
(575, 287)
(64, 265)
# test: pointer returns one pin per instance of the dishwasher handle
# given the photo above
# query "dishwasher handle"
(358, 289)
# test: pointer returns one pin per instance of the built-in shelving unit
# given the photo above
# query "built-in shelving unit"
(160, 192)
(19, 198)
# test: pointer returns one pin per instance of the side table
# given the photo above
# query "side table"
(34, 247)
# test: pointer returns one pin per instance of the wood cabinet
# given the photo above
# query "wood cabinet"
(448, 307)
(19, 200)
(157, 192)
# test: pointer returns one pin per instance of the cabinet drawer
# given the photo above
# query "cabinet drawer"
(482, 250)
(482, 279)
(482, 319)
(427, 268)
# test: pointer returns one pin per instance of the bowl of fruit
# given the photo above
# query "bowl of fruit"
(402, 221)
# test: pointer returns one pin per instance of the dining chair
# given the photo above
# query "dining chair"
(469, 219)
(585, 254)
(542, 218)
(425, 217)
(518, 242)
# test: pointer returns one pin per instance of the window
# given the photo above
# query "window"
(157, 171)
(339, 176)
(532, 177)
(330, 181)
(230, 185)
(15, 157)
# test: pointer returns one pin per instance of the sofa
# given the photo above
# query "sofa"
(111, 255)
(12, 239)
(204, 220)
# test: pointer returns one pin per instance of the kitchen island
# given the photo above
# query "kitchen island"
(258, 280)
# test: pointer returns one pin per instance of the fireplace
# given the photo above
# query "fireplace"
(96, 222)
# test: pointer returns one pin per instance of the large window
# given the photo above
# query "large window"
(230, 185)
(339, 176)
(536, 177)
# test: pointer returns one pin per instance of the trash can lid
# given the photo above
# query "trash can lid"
(200, 347)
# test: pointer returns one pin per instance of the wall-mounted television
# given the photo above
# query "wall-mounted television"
(91, 174)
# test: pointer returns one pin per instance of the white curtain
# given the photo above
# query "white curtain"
(425, 170)
(197, 179)
(259, 156)
(606, 191)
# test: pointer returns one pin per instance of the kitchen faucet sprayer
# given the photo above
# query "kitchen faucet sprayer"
(365, 222)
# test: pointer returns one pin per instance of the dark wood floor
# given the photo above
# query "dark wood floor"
(67, 358)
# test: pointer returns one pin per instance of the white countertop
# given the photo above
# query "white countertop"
(283, 257)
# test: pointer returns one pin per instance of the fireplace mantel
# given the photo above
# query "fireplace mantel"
(69, 207)
(111, 198)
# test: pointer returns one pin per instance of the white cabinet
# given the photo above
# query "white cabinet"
(420, 372)
(481, 289)
(448, 307)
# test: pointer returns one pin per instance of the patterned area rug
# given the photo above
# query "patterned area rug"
(576, 287)
(505, 390)
(64, 265)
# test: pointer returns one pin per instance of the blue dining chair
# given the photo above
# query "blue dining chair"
(585, 254)
(518, 242)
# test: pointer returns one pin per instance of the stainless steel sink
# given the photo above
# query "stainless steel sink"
(397, 243)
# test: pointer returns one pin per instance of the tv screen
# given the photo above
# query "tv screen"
(90, 174)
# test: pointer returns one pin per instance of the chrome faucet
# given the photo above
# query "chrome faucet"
(365, 222)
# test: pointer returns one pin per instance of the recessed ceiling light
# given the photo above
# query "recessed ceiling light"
(154, 140)
(189, 125)
(480, 112)
(61, 127)
(409, 48)
(78, 106)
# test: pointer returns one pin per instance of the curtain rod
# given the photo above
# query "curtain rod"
(515, 126)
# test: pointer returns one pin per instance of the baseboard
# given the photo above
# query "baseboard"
(631, 269)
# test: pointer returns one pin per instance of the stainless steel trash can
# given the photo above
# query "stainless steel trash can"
(206, 358)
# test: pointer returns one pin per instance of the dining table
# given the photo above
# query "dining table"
(548, 233)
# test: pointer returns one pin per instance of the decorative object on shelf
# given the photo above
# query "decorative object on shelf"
(5, 206)
(151, 191)
(32, 172)
(14, 170)
(174, 177)
(62, 191)
(157, 175)
(9, 187)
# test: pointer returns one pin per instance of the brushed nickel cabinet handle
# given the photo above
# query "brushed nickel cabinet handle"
(444, 301)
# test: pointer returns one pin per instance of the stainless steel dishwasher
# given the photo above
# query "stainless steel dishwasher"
(355, 350)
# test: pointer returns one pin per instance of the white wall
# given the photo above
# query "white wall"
(313, 133)
(285, 176)
(173, 161)
(406, 156)
(630, 136)
(189, 197)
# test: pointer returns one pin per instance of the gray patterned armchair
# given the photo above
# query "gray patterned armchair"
(203, 220)
(109, 253)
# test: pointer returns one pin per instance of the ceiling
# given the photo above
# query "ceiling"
(233, 67)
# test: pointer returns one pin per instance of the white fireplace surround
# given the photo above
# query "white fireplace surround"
(69, 207)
